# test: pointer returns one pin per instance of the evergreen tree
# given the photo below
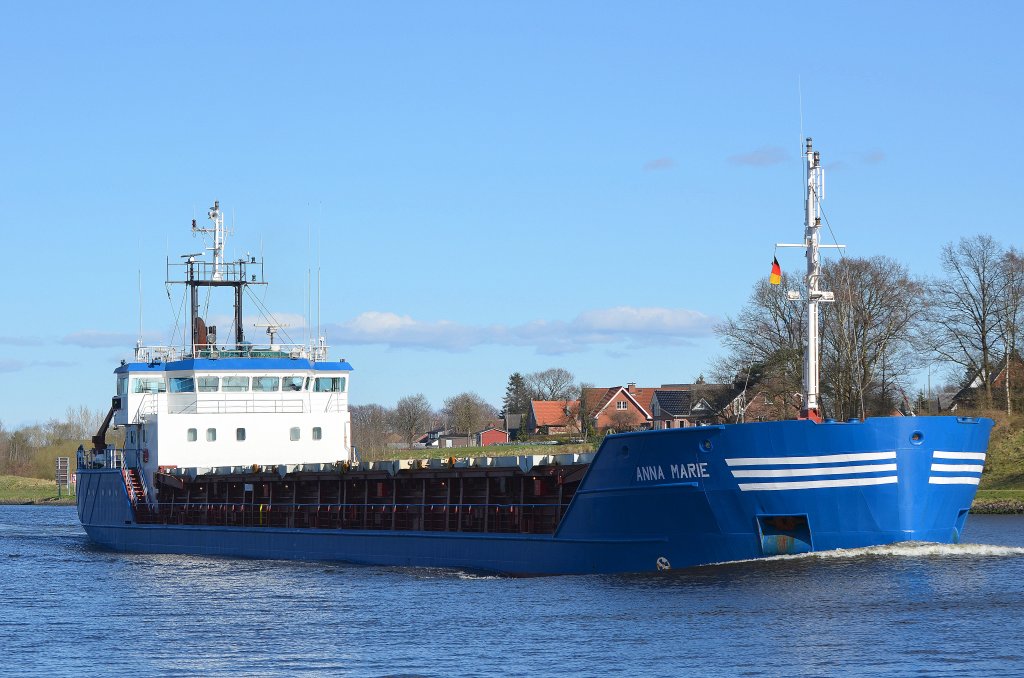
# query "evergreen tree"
(517, 396)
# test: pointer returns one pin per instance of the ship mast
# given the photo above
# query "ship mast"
(218, 273)
(815, 176)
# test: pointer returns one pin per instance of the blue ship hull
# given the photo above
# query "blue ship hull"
(653, 500)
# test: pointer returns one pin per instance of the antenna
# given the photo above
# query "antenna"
(139, 343)
(272, 329)
(219, 237)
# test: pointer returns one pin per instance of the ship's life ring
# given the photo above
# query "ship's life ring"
(145, 455)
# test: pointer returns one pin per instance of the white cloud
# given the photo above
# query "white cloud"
(97, 339)
(20, 341)
(761, 157)
(620, 325)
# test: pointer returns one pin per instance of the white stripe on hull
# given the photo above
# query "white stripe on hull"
(822, 459)
(959, 468)
(954, 480)
(814, 471)
(976, 456)
(815, 484)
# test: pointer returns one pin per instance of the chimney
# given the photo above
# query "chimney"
(631, 387)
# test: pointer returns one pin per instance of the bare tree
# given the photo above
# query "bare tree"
(552, 384)
(467, 412)
(963, 308)
(411, 417)
(1011, 314)
(765, 341)
(371, 425)
(867, 334)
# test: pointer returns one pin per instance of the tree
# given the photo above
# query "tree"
(1011, 313)
(552, 384)
(765, 343)
(371, 425)
(467, 412)
(867, 334)
(963, 308)
(517, 396)
(411, 417)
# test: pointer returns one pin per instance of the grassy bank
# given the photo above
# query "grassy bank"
(19, 490)
(1002, 484)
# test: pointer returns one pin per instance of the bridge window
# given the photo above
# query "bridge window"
(211, 435)
(148, 385)
(192, 435)
(265, 384)
(239, 434)
(183, 385)
(317, 433)
(329, 384)
(235, 384)
(208, 384)
(294, 433)
(291, 384)
(122, 385)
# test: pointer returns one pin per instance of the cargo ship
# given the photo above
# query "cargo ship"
(243, 450)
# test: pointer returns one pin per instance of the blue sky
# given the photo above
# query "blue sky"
(487, 187)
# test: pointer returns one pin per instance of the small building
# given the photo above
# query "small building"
(513, 422)
(490, 436)
(553, 417)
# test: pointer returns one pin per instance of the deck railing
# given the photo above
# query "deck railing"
(499, 518)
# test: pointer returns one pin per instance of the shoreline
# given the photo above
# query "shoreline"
(63, 501)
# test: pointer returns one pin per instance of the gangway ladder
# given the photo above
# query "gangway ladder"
(136, 490)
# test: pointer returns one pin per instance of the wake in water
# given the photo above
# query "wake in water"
(908, 549)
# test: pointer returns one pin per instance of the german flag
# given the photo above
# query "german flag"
(776, 276)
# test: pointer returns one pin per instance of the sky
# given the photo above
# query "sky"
(483, 188)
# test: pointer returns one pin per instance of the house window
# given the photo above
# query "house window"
(621, 405)
(294, 433)
(208, 384)
(192, 435)
(239, 434)
(317, 433)
(211, 435)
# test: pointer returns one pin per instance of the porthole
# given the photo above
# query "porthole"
(916, 437)
(706, 446)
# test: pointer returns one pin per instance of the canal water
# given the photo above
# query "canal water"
(69, 608)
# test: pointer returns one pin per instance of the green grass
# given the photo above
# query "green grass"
(1004, 465)
(19, 490)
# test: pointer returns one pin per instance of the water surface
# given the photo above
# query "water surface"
(69, 608)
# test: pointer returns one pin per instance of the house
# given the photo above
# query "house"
(513, 422)
(490, 436)
(615, 409)
(679, 409)
(973, 395)
(553, 417)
